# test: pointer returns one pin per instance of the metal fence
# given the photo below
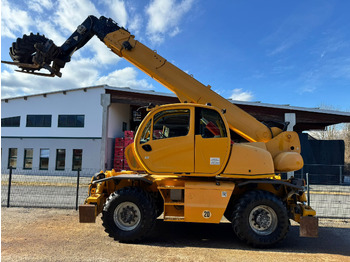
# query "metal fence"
(55, 189)
(329, 190)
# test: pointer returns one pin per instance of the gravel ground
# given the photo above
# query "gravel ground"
(33, 234)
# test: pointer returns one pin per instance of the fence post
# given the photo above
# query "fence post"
(308, 189)
(340, 175)
(9, 187)
(77, 196)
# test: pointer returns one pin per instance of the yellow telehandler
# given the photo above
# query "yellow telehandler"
(185, 164)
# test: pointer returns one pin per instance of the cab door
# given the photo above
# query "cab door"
(212, 142)
(166, 144)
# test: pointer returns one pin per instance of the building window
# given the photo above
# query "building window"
(44, 159)
(60, 159)
(12, 158)
(38, 121)
(77, 159)
(11, 121)
(28, 158)
(71, 120)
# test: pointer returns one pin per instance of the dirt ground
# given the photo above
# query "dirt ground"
(31, 234)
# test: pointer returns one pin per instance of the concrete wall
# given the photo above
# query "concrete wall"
(72, 102)
(90, 157)
(75, 102)
(118, 113)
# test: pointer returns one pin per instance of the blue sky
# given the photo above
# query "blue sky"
(278, 52)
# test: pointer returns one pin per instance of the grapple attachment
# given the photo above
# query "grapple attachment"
(34, 52)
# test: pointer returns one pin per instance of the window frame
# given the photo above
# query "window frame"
(60, 158)
(12, 157)
(42, 158)
(13, 121)
(75, 158)
(39, 121)
(25, 158)
(64, 124)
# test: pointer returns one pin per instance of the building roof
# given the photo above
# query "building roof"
(307, 118)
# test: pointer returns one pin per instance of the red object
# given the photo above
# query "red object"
(128, 141)
(213, 129)
(119, 142)
(129, 134)
(120, 162)
(119, 152)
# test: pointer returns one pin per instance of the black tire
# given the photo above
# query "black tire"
(260, 219)
(23, 49)
(159, 204)
(229, 210)
(129, 214)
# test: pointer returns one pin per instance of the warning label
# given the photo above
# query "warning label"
(215, 161)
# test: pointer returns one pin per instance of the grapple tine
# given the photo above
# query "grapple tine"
(22, 65)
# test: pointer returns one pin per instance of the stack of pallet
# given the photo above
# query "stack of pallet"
(121, 143)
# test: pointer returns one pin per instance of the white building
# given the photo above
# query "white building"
(68, 130)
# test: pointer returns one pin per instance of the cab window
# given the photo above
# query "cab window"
(209, 123)
(146, 133)
(171, 123)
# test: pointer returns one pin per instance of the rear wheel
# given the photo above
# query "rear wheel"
(129, 214)
(260, 219)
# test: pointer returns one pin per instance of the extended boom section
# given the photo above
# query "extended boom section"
(187, 88)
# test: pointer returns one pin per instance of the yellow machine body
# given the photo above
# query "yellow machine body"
(283, 146)
(187, 199)
(184, 153)
(183, 160)
(159, 146)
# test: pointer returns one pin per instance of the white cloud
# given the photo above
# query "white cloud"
(78, 73)
(101, 53)
(50, 31)
(240, 95)
(126, 77)
(40, 5)
(17, 84)
(68, 19)
(71, 13)
(164, 18)
(135, 24)
(306, 89)
(14, 21)
(117, 11)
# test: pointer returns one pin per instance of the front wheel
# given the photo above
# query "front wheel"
(260, 219)
(129, 214)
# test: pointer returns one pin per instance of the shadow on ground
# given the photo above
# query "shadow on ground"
(172, 234)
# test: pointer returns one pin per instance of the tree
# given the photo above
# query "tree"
(335, 132)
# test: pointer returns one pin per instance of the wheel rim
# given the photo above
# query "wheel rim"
(263, 220)
(127, 216)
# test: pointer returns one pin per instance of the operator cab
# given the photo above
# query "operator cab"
(187, 139)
